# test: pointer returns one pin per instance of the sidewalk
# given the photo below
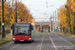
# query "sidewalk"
(0, 36)
(5, 36)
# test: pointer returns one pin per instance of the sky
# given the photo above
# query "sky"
(41, 10)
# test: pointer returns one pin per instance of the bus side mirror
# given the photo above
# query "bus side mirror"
(11, 27)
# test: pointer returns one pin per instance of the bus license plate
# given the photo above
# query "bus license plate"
(21, 40)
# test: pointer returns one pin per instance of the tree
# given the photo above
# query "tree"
(23, 14)
(66, 15)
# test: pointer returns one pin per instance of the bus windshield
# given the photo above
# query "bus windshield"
(21, 30)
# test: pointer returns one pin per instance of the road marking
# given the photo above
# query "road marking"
(53, 43)
(65, 40)
(14, 47)
(41, 43)
(38, 47)
(6, 44)
(67, 36)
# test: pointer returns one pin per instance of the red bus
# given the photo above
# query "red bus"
(22, 32)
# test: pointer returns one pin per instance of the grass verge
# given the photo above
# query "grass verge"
(71, 35)
(6, 39)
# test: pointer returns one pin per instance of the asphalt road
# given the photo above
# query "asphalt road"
(44, 41)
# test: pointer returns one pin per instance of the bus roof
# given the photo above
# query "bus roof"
(21, 23)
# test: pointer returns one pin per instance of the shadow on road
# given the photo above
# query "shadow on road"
(28, 42)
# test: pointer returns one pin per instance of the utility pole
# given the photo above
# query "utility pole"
(53, 21)
(3, 28)
(57, 17)
(16, 12)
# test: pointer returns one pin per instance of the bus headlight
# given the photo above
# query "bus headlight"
(29, 38)
(13, 38)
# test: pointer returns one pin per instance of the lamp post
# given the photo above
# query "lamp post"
(16, 12)
(51, 23)
(3, 28)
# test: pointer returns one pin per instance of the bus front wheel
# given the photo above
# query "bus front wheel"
(32, 40)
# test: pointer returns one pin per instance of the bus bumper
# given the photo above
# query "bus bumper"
(22, 40)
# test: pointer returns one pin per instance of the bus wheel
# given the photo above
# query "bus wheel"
(15, 41)
(32, 40)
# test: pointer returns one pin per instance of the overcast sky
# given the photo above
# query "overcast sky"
(38, 8)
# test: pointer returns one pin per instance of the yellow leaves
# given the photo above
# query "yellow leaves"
(72, 20)
(22, 13)
(73, 1)
(0, 4)
(62, 17)
(72, 15)
(67, 16)
(33, 21)
(21, 10)
(6, 18)
(12, 20)
(30, 18)
(0, 9)
(10, 23)
(73, 6)
(19, 17)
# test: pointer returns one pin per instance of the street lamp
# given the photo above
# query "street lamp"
(3, 28)
(16, 12)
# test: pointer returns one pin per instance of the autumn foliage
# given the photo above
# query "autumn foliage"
(23, 14)
(66, 15)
